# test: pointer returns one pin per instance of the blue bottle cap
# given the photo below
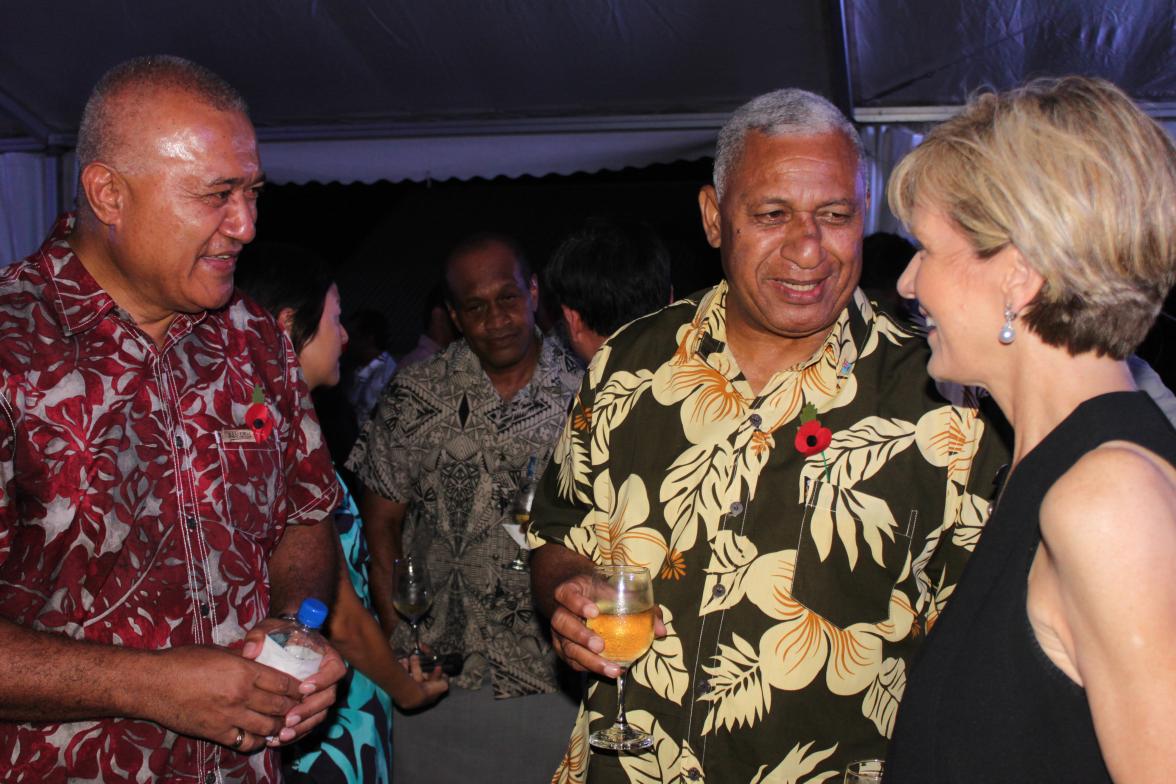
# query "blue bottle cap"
(312, 613)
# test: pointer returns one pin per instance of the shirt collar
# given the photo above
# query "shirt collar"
(546, 364)
(836, 355)
(78, 301)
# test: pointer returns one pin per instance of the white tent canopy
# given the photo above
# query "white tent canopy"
(368, 90)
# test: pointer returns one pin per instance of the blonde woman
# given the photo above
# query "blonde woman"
(1047, 219)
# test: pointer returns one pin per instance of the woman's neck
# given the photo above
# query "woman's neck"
(1046, 384)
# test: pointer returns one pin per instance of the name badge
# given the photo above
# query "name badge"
(239, 436)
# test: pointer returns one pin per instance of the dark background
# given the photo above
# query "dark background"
(386, 241)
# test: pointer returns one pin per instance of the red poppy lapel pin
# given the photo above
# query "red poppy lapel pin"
(258, 416)
(811, 437)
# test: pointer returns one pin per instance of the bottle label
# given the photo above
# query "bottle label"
(296, 660)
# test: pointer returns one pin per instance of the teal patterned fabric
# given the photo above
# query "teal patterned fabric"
(354, 745)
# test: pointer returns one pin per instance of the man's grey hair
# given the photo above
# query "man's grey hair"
(99, 135)
(786, 112)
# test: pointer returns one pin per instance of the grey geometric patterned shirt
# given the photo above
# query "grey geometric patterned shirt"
(442, 441)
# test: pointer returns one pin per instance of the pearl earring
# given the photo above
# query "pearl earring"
(1006, 334)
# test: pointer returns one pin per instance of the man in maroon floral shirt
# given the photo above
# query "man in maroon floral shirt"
(161, 472)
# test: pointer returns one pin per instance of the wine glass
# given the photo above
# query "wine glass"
(864, 772)
(412, 597)
(624, 596)
(520, 512)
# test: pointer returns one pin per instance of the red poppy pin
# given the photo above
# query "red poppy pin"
(258, 416)
(811, 437)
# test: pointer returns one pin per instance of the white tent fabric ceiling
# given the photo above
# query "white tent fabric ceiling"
(525, 74)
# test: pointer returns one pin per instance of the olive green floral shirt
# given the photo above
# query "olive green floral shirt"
(796, 585)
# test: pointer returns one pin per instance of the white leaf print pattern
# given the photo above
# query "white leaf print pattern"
(731, 554)
(836, 508)
(798, 764)
(612, 405)
(659, 764)
(856, 454)
(693, 490)
(571, 455)
(739, 694)
(663, 669)
(881, 702)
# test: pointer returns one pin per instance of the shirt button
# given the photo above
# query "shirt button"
(204, 609)
(756, 420)
(191, 523)
(694, 774)
(719, 591)
(703, 686)
(737, 508)
(180, 445)
(209, 778)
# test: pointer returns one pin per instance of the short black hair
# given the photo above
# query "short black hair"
(99, 132)
(279, 276)
(610, 271)
(477, 242)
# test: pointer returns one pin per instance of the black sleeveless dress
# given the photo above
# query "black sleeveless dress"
(984, 705)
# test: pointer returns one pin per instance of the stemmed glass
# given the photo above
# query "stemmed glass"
(624, 596)
(864, 772)
(412, 597)
(520, 512)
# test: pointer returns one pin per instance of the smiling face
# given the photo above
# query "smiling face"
(187, 203)
(790, 231)
(960, 295)
(493, 306)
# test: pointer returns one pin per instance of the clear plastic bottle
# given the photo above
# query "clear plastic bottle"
(296, 647)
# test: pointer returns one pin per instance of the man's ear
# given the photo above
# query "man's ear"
(104, 190)
(1020, 283)
(286, 319)
(708, 205)
(573, 320)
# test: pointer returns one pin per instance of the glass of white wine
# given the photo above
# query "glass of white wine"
(520, 513)
(864, 772)
(412, 597)
(624, 595)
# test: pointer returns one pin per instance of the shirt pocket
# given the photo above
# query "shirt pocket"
(250, 483)
(853, 549)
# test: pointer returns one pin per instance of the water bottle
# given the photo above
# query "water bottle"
(296, 647)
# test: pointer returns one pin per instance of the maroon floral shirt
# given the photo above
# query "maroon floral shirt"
(139, 504)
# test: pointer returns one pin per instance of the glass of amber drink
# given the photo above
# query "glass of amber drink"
(624, 596)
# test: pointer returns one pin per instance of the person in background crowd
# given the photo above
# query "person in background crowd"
(162, 475)
(439, 331)
(373, 364)
(355, 744)
(1047, 219)
(773, 453)
(440, 462)
(603, 276)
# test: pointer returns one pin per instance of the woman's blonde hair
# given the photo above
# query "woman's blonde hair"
(1081, 182)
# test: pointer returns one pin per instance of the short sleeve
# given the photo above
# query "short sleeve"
(972, 479)
(562, 510)
(381, 458)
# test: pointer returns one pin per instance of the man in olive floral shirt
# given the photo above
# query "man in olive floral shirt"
(774, 453)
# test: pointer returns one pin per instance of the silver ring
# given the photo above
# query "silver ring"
(240, 738)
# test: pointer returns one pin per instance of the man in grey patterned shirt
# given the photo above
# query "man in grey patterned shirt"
(440, 461)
